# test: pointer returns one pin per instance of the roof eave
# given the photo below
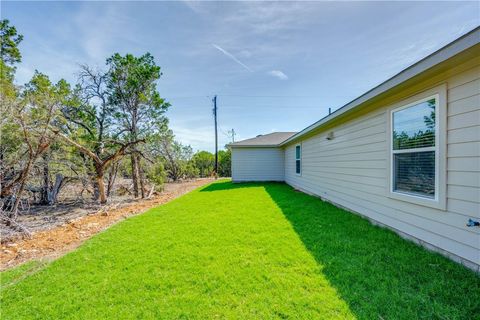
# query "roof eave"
(253, 145)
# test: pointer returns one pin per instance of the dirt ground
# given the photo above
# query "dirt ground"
(65, 227)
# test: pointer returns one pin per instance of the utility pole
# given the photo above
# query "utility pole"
(216, 134)
(232, 134)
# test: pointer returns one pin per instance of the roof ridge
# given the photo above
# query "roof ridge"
(265, 140)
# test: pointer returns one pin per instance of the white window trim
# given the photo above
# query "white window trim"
(439, 201)
(301, 161)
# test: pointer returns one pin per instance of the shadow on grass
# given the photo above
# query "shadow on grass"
(228, 185)
(376, 272)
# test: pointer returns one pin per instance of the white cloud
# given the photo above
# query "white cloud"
(278, 74)
(231, 56)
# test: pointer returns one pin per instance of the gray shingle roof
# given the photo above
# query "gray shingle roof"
(264, 140)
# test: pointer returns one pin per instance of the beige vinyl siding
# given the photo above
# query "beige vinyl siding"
(352, 169)
(257, 164)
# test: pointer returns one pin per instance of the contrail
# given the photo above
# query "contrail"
(231, 56)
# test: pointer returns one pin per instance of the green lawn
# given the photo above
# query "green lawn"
(246, 251)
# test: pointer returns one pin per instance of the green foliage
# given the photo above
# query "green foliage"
(42, 101)
(176, 157)
(156, 174)
(225, 163)
(11, 134)
(125, 168)
(7, 88)
(189, 170)
(34, 110)
(177, 160)
(205, 163)
(133, 85)
(89, 115)
(40, 87)
(10, 55)
(9, 41)
(246, 251)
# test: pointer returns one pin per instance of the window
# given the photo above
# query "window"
(415, 153)
(298, 159)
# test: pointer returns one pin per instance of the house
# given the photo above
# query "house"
(405, 154)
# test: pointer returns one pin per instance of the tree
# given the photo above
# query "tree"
(33, 115)
(176, 157)
(89, 126)
(157, 174)
(50, 130)
(10, 55)
(132, 81)
(224, 163)
(9, 52)
(102, 163)
(9, 45)
(204, 161)
(55, 161)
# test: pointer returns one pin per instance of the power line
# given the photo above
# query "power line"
(187, 97)
(245, 96)
(225, 133)
(268, 96)
(259, 106)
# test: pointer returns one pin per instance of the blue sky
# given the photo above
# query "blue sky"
(276, 66)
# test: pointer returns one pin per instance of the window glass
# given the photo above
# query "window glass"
(414, 172)
(298, 165)
(414, 127)
(414, 150)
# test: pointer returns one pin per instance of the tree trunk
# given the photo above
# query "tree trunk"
(96, 192)
(134, 174)
(2, 169)
(53, 194)
(102, 165)
(44, 198)
(13, 214)
(141, 177)
(6, 190)
(111, 178)
(101, 188)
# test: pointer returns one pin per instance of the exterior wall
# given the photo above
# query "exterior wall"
(257, 164)
(352, 170)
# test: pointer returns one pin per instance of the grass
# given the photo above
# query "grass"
(15, 275)
(244, 251)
